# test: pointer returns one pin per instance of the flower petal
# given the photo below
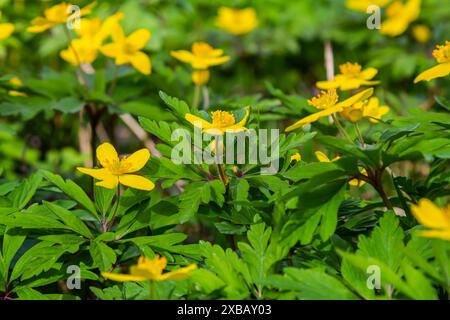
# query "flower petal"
(327, 84)
(136, 182)
(139, 38)
(110, 182)
(5, 30)
(136, 161)
(110, 50)
(314, 117)
(141, 62)
(428, 214)
(107, 155)
(363, 95)
(179, 274)
(40, 24)
(441, 70)
(440, 234)
(368, 73)
(99, 174)
(244, 119)
(121, 277)
(197, 121)
(182, 55)
(322, 157)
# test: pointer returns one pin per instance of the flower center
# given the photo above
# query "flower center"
(118, 167)
(350, 69)
(222, 119)
(201, 49)
(325, 99)
(128, 48)
(442, 52)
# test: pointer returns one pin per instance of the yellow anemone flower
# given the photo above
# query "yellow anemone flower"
(96, 30)
(435, 218)
(296, 157)
(328, 102)
(58, 14)
(351, 77)
(18, 83)
(80, 51)
(374, 111)
(116, 170)
(362, 5)
(442, 56)
(200, 77)
(6, 29)
(222, 122)
(421, 33)
(400, 15)
(202, 56)
(322, 157)
(237, 21)
(150, 270)
(128, 49)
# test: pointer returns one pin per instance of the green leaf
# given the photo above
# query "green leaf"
(12, 241)
(21, 195)
(102, 255)
(329, 213)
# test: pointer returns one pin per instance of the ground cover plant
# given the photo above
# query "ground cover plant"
(250, 150)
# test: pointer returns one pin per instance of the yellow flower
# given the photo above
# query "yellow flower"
(351, 77)
(362, 5)
(353, 182)
(117, 170)
(435, 218)
(18, 83)
(374, 111)
(354, 113)
(58, 14)
(222, 121)
(296, 157)
(128, 49)
(97, 31)
(421, 33)
(328, 102)
(151, 270)
(400, 15)
(200, 77)
(237, 21)
(80, 51)
(442, 56)
(6, 29)
(202, 56)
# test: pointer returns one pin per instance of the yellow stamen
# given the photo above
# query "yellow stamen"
(349, 68)
(442, 52)
(325, 99)
(222, 119)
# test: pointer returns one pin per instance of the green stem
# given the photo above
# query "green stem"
(77, 57)
(360, 137)
(152, 290)
(196, 96)
(341, 128)
(110, 219)
(205, 93)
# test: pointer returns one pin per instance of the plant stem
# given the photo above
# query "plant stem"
(111, 218)
(360, 137)
(205, 97)
(81, 78)
(152, 290)
(196, 96)
(341, 128)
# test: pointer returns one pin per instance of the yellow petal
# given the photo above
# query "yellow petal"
(322, 157)
(5, 30)
(136, 161)
(182, 55)
(88, 8)
(179, 274)
(118, 35)
(110, 50)
(363, 95)
(428, 214)
(350, 84)
(136, 182)
(314, 117)
(99, 174)
(369, 73)
(441, 70)
(139, 38)
(440, 234)
(110, 182)
(197, 121)
(141, 62)
(327, 84)
(40, 24)
(242, 123)
(107, 155)
(122, 277)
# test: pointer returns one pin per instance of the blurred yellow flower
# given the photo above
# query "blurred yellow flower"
(151, 270)
(18, 83)
(96, 30)
(421, 33)
(116, 170)
(435, 218)
(351, 77)
(202, 56)
(6, 29)
(362, 5)
(400, 15)
(200, 77)
(442, 56)
(374, 111)
(128, 49)
(322, 157)
(328, 102)
(222, 122)
(80, 51)
(296, 157)
(237, 21)
(58, 14)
